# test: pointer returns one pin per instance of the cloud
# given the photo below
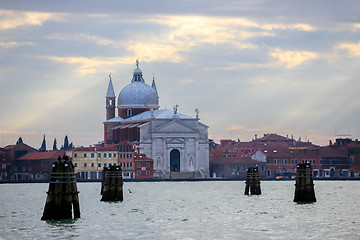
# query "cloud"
(18, 133)
(92, 65)
(186, 80)
(14, 19)
(156, 51)
(292, 58)
(11, 44)
(353, 49)
(259, 81)
(85, 37)
(236, 127)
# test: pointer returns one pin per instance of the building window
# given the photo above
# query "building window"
(92, 155)
(75, 155)
(130, 164)
(129, 113)
(104, 155)
(147, 173)
(127, 164)
(84, 164)
(114, 155)
(85, 155)
(130, 155)
(139, 165)
(92, 165)
(148, 165)
(104, 164)
(120, 164)
(4, 166)
(274, 161)
(351, 160)
(99, 164)
(139, 173)
(99, 154)
(127, 155)
(75, 164)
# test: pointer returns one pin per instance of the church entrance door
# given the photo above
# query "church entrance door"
(175, 160)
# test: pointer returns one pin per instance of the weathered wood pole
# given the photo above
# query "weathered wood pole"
(112, 184)
(304, 186)
(252, 181)
(62, 196)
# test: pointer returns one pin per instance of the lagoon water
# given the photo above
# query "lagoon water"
(188, 210)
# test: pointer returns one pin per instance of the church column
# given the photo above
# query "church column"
(197, 155)
(153, 153)
(166, 156)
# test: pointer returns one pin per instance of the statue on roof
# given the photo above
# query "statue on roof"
(175, 109)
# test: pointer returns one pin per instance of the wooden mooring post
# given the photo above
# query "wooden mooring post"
(304, 186)
(112, 184)
(62, 195)
(252, 181)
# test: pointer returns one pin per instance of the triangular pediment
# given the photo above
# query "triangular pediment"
(175, 140)
(175, 126)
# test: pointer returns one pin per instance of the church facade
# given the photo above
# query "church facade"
(177, 143)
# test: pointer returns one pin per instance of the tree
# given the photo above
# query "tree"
(19, 141)
(66, 145)
(54, 145)
(43, 145)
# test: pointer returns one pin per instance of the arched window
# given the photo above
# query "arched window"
(129, 112)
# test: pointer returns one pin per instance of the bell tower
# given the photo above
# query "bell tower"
(110, 101)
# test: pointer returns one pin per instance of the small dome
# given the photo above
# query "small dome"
(138, 95)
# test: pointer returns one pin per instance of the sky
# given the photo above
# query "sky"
(250, 67)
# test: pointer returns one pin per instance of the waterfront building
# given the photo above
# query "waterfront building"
(282, 154)
(126, 159)
(89, 161)
(35, 165)
(143, 166)
(5, 164)
(175, 142)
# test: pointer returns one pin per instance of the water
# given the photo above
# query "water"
(187, 210)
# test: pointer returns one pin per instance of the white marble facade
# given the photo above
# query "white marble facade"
(179, 134)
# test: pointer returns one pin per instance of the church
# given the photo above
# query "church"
(177, 143)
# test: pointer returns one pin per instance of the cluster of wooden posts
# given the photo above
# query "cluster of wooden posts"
(62, 196)
(304, 186)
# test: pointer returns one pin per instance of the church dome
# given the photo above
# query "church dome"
(138, 94)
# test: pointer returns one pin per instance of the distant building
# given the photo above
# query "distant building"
(35, 165)
(143, 166)
(282, 154)
(89, 161)
(5, 164)
(126, 159)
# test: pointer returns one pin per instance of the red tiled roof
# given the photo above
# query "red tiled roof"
(20, 146)
(141, 157)
(42, 155)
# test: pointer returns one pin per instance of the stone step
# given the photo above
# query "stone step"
(181, 175)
